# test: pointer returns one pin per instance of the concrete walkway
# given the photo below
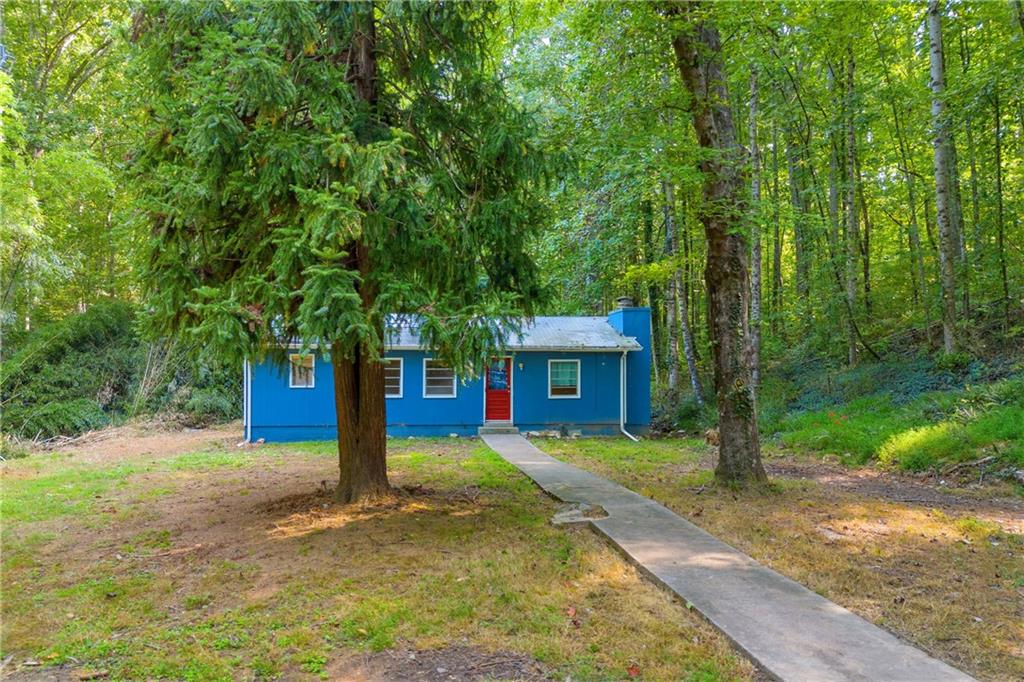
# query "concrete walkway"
(791, 632)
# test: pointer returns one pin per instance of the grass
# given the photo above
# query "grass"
(949, 581)
(927, 433)
(238, 567)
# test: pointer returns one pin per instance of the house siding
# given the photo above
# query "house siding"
(281, 413)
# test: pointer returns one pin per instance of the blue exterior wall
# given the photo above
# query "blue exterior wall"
(414, 415)
(596, 411)
(280, 413)
(636, 322)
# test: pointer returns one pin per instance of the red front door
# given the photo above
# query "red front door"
(498, 400)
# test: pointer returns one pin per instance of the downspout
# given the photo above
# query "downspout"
(247, 401)
(622, 398)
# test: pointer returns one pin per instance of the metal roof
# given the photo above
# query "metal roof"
(538, 333)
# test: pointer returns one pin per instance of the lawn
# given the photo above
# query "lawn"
(942, 569)
(181, 556)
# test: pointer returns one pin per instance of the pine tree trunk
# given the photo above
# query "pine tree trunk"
(943, 198)
(755, 243)
(359, 380)
(698, 53)
(362, 443)
(360, 408)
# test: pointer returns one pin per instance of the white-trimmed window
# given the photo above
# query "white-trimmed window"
(393, 377)
(302, 372)
(563, 378)
(438, 379)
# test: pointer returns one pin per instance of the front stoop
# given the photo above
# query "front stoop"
(488, 429)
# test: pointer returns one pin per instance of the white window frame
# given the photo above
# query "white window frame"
(455, 382)
(401, 378)
(579, 379)
(291, 370)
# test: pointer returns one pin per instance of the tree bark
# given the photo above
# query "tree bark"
(698, 54)
(359, 379)
(852, 229)
(360, 407)
(668, 195)
(943, 198)
(1000, 218)
(777, 235)
(755, 243)
(683, 314)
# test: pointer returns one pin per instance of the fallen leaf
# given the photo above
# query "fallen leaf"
(633, 670)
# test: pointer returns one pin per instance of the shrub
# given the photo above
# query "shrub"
(84, 371)
(64, 417)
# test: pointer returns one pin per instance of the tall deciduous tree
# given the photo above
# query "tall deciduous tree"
(943, 185)
(697, 47)
(312, 168)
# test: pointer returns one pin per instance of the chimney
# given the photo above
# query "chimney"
(624, 302)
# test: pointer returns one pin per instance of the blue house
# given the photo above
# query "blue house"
(590, 374)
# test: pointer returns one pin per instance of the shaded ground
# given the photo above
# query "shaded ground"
(994, 501)
(942, 568)
(186, 557)
(459, 663)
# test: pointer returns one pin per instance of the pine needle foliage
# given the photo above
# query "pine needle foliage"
(264, 171)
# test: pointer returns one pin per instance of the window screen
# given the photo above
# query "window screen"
(438, 380)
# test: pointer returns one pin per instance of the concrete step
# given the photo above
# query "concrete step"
(487, 429)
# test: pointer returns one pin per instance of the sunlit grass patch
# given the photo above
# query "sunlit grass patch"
(932, 430)
(920, 448)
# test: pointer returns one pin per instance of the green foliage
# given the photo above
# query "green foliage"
(927, 432)
(88, 370)
(69, 376)
(65, 222)
(61, 417)
(285, 204)
(671, 410)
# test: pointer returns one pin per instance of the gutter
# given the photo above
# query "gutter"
(622, 398)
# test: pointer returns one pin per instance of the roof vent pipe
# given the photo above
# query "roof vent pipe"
(624, 302)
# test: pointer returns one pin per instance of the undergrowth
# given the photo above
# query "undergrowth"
(89, 370)
(915, 413)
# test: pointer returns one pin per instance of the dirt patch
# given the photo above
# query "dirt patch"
(459, 663)
(894, 487)
(146, 440)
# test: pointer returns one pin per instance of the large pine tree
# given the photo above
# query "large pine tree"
(312, 167)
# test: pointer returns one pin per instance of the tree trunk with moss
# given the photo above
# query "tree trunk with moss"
(698, 54)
